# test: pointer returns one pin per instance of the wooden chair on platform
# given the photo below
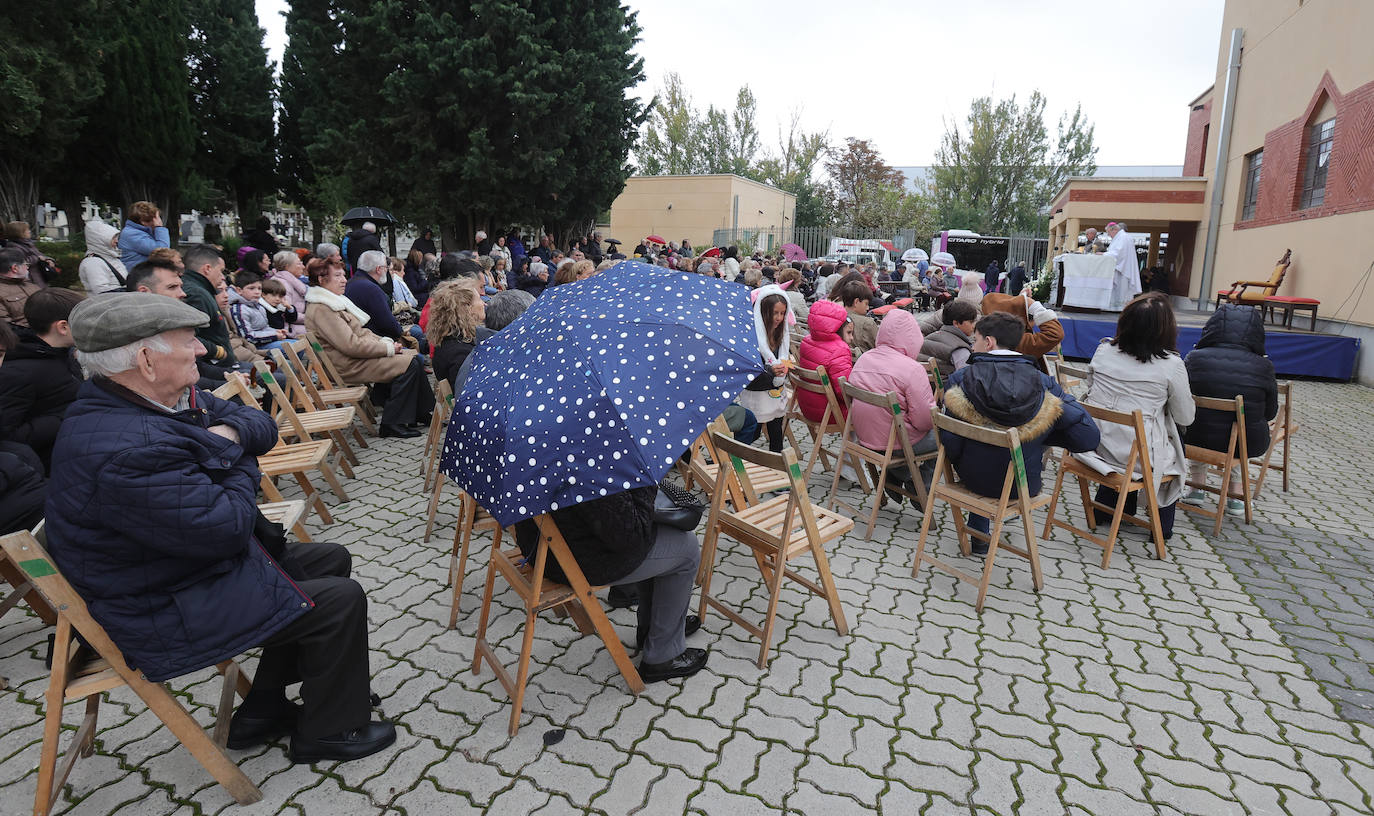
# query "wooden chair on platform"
(301, 380)
(75, 679)
(294, 459)
(471, 518)
(1253, 293)
(1234, 458)
(328, 377)
(538, 594)
(303, 426)
(1281, 430)
(705, 464)
(1124, 483)
(776, 530)
(815, 381)
(998, 510)
(897, 452)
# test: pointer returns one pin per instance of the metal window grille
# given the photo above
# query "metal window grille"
(1319, 141)
(1252, 182)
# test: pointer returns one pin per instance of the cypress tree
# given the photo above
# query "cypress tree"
(311, 94)
(49, 75)
(231, 94)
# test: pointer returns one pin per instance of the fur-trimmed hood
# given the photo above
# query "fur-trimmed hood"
(1006, 391)
(1051, 408)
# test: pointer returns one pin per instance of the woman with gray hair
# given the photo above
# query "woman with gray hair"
(288, 269)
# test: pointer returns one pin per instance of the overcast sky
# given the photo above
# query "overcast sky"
(893, 70)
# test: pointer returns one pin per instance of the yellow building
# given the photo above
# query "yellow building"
(1298, 172)
(694, 207)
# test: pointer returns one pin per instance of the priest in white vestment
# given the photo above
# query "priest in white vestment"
(1126, 283)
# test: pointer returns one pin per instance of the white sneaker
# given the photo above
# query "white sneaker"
(1195, 496)
(847, 473)
(1235, 507)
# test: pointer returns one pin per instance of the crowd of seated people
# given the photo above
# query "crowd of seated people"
(108, 429)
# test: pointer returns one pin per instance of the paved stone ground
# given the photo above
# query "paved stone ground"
(1198, 685)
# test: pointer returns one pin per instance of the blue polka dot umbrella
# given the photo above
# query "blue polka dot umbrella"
(598, 388)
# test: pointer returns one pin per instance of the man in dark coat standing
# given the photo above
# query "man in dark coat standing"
(360, 240)
(152, 517)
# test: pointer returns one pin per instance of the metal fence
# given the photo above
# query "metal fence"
(815, 241)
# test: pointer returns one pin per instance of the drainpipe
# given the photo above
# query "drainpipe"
(1228, 115)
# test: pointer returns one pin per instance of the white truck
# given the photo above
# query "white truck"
(881, 254)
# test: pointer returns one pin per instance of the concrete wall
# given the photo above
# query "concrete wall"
(700, 205)
(1301, 62)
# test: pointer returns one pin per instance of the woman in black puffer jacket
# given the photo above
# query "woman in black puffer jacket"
(1229, 361)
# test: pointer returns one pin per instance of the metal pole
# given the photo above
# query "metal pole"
(1228, 115)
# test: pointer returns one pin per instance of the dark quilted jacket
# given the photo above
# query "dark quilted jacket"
(1228, 361)
(150, 517)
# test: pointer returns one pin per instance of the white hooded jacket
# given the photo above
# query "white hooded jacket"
(101, 270)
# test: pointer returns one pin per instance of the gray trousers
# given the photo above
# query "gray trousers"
(665, 578)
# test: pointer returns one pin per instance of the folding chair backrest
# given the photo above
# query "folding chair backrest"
(281, 402)
(1139, 453)
(817, 381)
(290, 369)
(320, 364)
(708, 474)
(897, 437)
(785, 462)
(1007, 438)
(228, 391)
(1236, 407)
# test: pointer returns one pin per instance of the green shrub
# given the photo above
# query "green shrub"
(229, 248)
(67, 255)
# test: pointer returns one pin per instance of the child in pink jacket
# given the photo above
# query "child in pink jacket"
(825, 346)
(892, 366)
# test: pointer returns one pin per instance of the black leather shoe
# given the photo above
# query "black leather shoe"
(979, 548)
(686, 664)
(249, 732)
(690, 626)
(397, 432)
(355, 744)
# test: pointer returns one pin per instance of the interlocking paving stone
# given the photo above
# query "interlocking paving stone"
(1233, 677)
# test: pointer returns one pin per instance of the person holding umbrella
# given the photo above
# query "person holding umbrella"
(578, 409)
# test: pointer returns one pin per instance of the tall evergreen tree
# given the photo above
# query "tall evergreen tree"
(312, 102)
(46, 88)
(232, 95)
(139, 138)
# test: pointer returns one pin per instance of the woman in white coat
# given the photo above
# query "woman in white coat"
(1140, 369)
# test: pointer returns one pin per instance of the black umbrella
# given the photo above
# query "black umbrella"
(356, 216)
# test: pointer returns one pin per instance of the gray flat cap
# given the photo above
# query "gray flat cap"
(111, 321)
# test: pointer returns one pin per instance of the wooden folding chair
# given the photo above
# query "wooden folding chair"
(23, 590)
(815, 381)
(705, 465)
(72, 680)
(1281, 430)
(328, 375)
(538, 594)
(897, 452)
(776, 530)
(304, 425)
(1235, 457)
(295, 459)
(471, 518)
(1124, 483)
(288, 514)
(937, 380)
(1068, 375)
(945, 487)
(434, 441)
(301, 380)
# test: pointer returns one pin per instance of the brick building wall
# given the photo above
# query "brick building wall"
(1350, 174)
(1195, 150)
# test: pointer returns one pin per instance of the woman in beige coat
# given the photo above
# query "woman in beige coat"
(1140, 369)
(366, 358)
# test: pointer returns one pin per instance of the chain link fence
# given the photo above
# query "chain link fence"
(814, 241)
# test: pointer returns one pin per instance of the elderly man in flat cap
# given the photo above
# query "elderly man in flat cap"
(152, 516)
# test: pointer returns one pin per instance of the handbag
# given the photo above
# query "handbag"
(676, 507)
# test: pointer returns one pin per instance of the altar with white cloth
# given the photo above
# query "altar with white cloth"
(1087, 280)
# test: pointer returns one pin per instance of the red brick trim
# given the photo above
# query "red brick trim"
(1138, 196)
(1350, 177)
